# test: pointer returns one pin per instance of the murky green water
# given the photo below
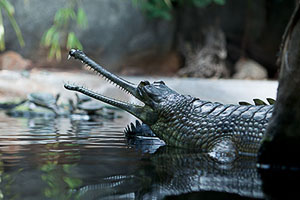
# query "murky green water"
(80, 159)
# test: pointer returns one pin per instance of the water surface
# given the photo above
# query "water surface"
(47, 158)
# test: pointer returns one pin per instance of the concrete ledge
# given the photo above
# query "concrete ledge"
(14, 84)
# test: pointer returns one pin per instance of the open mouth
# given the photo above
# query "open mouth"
(124, 85)
(141, 112)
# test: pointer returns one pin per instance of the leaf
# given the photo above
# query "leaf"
(73, 41)
(81, 18)
(73, 182)
(67, 168)
(2, 33)
(48, 35)
(135, 2)
(163, 8)
(157, 8)
(54, 36)
(48, 167)
(168, 3)
(17, 30)
(63, 16)
(220, 2)
(70, 40)
(58, 53)
(55, 47)
(58, 16)
(9, 8)
(201, 3)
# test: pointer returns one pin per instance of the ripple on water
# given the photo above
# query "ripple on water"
(78, 159)
(22, 131)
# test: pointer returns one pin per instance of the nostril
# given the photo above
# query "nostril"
(72, 52)
(144, 83)
(75, 53)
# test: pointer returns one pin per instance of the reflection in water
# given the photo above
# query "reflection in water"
(173, 171)
(64, 159)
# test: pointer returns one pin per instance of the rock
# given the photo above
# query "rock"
(249, 69)
(11, 60)
(116, 30)
(206, 60)
(264, 29)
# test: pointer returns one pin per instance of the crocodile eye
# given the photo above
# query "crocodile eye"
(159, 83)
(144, 83)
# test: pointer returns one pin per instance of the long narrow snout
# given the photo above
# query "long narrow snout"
(144, 113)
(123, 84)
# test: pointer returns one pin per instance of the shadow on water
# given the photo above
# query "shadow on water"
(64, 159)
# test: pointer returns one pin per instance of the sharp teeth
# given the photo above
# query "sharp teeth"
(69, 57)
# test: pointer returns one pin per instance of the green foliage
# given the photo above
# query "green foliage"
(73, 182)
(163, 8)
(156, 8)
(10, 11)
(203, 3)
(59, 34)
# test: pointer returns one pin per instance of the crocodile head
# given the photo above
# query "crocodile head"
(152, 95)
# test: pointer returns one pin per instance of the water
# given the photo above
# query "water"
(79, 159)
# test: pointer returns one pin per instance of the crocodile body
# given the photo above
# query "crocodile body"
(197, 124)
(185, 121)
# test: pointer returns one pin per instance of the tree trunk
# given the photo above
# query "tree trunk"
(279, 166)
(281, 144)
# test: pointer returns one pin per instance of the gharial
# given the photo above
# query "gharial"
(185, 121)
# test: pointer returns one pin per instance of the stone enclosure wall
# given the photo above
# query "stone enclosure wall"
(119, 32)
(116, 29)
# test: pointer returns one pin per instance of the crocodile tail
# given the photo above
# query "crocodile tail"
(259, 102)
(271, 101)
(244, 103)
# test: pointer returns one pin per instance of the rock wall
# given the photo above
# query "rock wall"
(117, 29)
(253, 28)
